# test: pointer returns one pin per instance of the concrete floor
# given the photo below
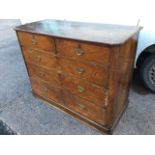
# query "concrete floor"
(25, 114)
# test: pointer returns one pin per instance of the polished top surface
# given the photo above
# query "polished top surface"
(91, 32)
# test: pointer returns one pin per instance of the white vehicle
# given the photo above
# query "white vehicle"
(145, 57)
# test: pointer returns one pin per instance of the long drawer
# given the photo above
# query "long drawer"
(96, 75)
(83, 52)
(85, 108)
(86, 90)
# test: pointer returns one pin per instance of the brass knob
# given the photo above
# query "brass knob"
(34, 42)
(44, 89)
(38, 58)
(80, 70)
(82, 107)
(41, 74)
(79, 51)
(80, 89)
(59, 71)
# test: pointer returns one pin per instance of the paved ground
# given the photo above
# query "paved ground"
(24, 114)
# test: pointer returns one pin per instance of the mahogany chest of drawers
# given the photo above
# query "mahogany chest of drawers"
(83, 69)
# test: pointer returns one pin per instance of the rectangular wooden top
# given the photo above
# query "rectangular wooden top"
(90, 32)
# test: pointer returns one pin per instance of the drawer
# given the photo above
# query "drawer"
(36, 41)
(46, 75)
(97, 75)
(43, 59)
(83, 51)
(85, 108)
(85, 90)
(46, 90)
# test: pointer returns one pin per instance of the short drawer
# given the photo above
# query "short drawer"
(85, 108)
(36, 41)
(49, 76)
(83, 51)
(46, 90)
(86, 90)
(43, 59)
(97, 75)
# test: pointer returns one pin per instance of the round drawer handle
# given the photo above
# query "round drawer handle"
(79, 51)
(80, 70)
(44, 89)
(38, 58)
(81, 106)
(80, 89)
(34, 42)
(41, 74)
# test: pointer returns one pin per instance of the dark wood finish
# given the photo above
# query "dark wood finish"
(106, 34)
(83, 69)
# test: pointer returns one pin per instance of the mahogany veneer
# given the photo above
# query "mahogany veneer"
(84, 69)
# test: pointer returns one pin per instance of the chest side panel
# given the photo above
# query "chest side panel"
(127, 56)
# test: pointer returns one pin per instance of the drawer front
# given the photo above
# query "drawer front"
(43, 59)
(97, 75)
(86, 90)
(85, 108)
(36, 41)
(46, 90)
(83, 52)
(46, 75)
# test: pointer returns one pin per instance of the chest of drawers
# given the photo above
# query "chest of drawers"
(83, 69)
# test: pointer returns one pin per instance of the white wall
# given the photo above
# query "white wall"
(104, 11)
(126, 12)
(110, 11)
